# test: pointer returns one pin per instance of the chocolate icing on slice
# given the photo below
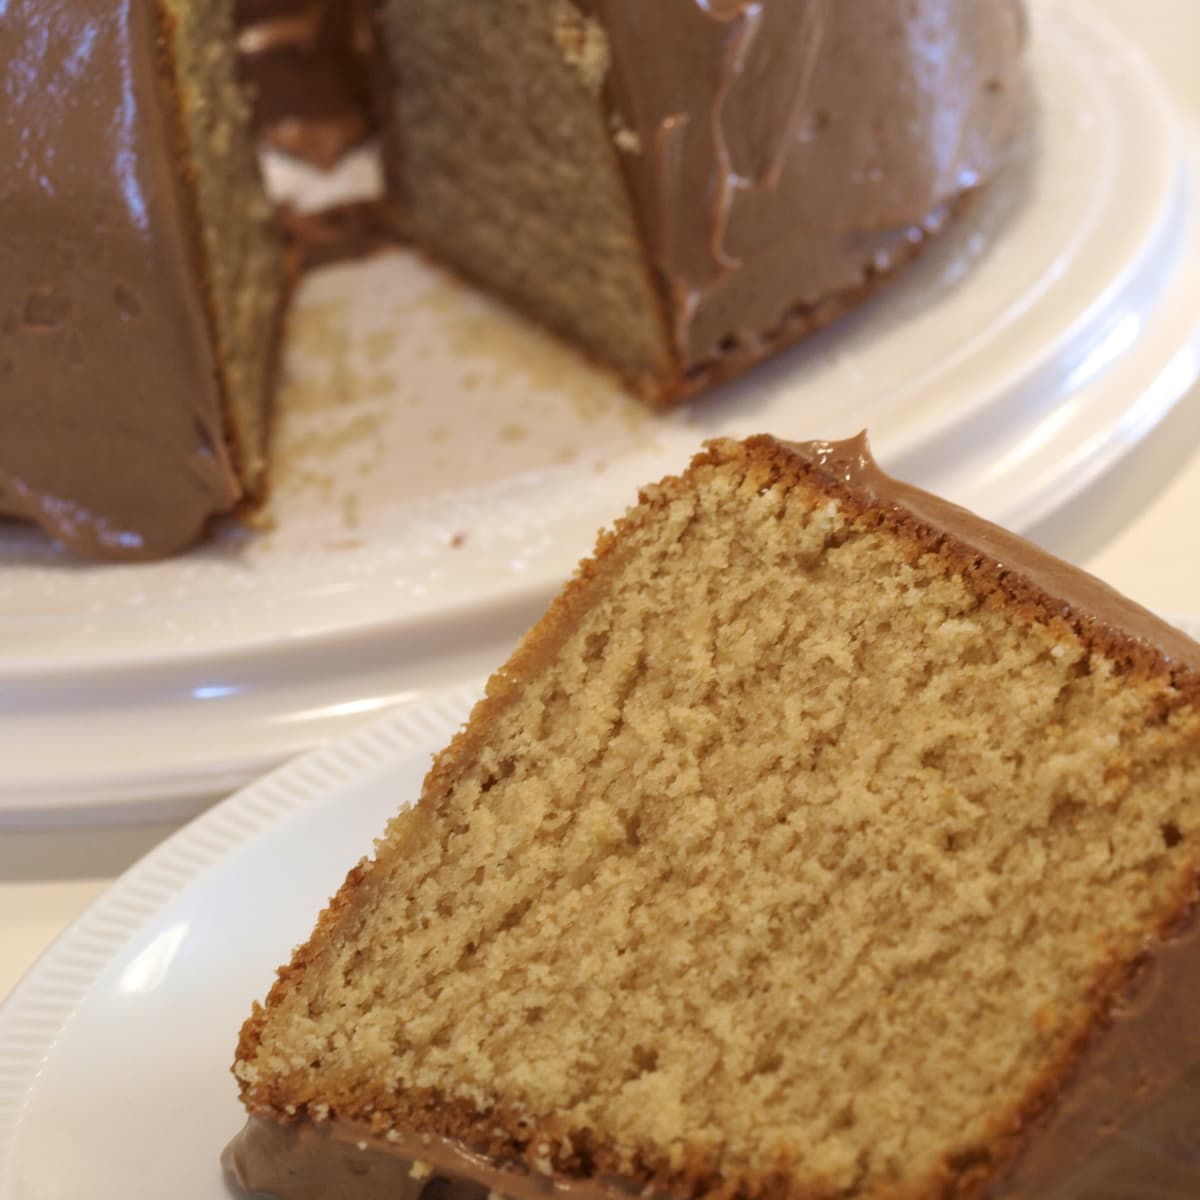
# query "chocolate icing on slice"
(1098, 609)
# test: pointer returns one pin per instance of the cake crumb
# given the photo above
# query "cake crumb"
(379, 344)
(584, 45)
(261, 520)
(458, 539)
(628, 141)
(420, 1170)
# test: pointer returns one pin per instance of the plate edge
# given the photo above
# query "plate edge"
(50, 992)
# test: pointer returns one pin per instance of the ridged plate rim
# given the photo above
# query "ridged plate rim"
(41, 1006)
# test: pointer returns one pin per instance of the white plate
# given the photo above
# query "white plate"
(441, 466)
(115, 1048)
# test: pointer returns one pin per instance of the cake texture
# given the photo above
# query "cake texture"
(821, 841)
(681, 188)
(141, 276)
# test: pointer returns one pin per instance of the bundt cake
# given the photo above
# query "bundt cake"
(822, 840)
(678, 188)
(141, 275)
(681, 188)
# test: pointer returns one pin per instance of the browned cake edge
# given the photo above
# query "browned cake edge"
(319, 246)
(1005, 574)
(253, 483)
(805, 319)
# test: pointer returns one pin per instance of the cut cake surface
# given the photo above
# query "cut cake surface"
(821, 841)
(682, 188)
(677, 189)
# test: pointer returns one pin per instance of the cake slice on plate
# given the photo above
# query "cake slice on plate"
(822, 840)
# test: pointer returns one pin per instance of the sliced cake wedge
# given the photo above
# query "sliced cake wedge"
(680, 189)
(821, 841)
(142, 276)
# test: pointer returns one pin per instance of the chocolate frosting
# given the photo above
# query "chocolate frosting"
(342, 233)
(1124, 1125)
(307, 64)
(1095, 607)
(784, 150)
(110, 420)
(306, 1161)
(1127, 1127)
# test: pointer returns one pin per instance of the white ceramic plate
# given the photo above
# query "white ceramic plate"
(115, 1048)
(441, 466)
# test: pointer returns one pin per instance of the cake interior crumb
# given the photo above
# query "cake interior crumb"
(791, 854)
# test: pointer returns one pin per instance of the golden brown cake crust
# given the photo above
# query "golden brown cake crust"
(682, 382)
(778, 463)
(844, 474)
(253, 483)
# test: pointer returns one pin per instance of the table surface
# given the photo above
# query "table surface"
(1132, 529)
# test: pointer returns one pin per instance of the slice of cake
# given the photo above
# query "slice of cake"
(142, 280)
(821, 841)
(681, 188)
